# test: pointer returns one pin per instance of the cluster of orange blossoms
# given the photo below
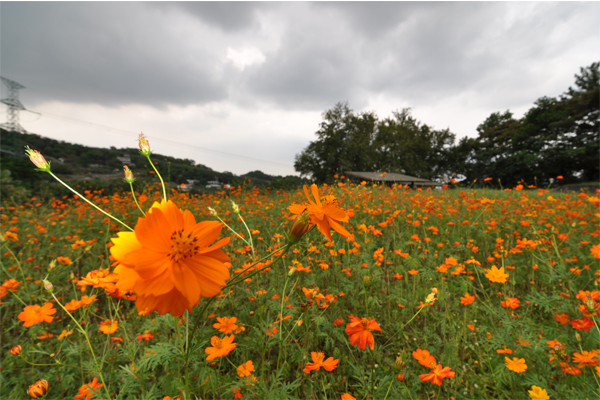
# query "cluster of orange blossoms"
(437, 373)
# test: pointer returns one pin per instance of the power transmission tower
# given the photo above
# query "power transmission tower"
(14, 106)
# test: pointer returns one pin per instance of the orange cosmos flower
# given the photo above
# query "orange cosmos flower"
(348, 396)
(586, 358)
(468, 299)
(146, 336)
(569, 369)
(329, 365)
(35, 314)
(109, 326)
(245, 369)
(73, 305)
(424, 358)
(64, 334)
(413, 272)
(595, 250)
(516, 364)
(511, 302)
(89, 390)
(220, 347)
(562, 318)
(496, 275)
(324, 212)
(437, 374)
(226, 325)
(169, 262)
(360, 329)
(582, 324)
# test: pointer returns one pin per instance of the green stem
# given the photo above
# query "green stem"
(159, 177)
(90, 203)
(88, 343)
(135, 199)
(388, 391)
(398, 331)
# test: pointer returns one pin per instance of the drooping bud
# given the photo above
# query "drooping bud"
(144, 145)
(128, 174)
(38, 389)
(15, 351)
(300, 227)
(38, 159)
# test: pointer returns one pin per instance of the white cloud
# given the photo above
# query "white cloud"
(245, 57)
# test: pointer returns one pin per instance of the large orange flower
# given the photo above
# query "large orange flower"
(437, 374)
(220, 347)
(168, 261)
(324, 213)
(424, 358)
(35, 314)
(328, 365)
(359, 330)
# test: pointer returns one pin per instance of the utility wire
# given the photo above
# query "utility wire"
(173, 142)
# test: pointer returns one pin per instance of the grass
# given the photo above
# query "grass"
(404, 243)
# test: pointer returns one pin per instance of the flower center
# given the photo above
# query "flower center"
(218, 343)
(183, 245)
(320, 357)
(364, 322)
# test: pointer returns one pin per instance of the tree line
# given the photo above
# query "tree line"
(556, 137)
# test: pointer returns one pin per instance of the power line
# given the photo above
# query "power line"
(173, 142)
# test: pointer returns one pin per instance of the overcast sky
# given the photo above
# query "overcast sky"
(241, 86)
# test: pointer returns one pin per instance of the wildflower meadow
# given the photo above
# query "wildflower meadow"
(358, 290)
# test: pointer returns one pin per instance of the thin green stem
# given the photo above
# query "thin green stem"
(159, 177)
(135, 199)
(88, 343)
(90, 203)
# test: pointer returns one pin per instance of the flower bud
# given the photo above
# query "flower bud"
(589, 302)
(128, 174)
(292, 271)
(52, 265)
(399, 364)
(366, 280)
(236, 208)
(400, 377)
(38, 389)
(144, 145)
(48, 285)
(338, 322)
(212, 211)
(300, 227)
(15, 351)
(578, 336)
(38, 159)
(251, 313)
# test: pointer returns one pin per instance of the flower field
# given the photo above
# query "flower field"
(419, 294)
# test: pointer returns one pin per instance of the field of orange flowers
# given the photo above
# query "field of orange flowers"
(354, 291)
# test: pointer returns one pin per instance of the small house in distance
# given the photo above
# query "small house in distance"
(391, 178)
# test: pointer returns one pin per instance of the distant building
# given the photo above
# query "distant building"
(187, 187)
(391, 177)
(213, 184)
(126, 160)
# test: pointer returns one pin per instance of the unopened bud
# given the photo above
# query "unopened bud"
(578, 336)
(400, 377)
(589, 302)
(128, 174)
(399, 364)
(212, 211)
(300, 227)
(292, 271)
(366, 280)
(251, 313)
(38, 159)
(236, 208)
(48, 285)
(38, 389)
(213, 364)
(52, 265)
(144, 145)
(15, 351)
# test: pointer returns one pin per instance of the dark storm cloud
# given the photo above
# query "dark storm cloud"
(106, 53)
(228, 16)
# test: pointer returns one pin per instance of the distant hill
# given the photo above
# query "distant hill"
(74, 162)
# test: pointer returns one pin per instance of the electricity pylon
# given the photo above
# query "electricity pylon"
(14, 106)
